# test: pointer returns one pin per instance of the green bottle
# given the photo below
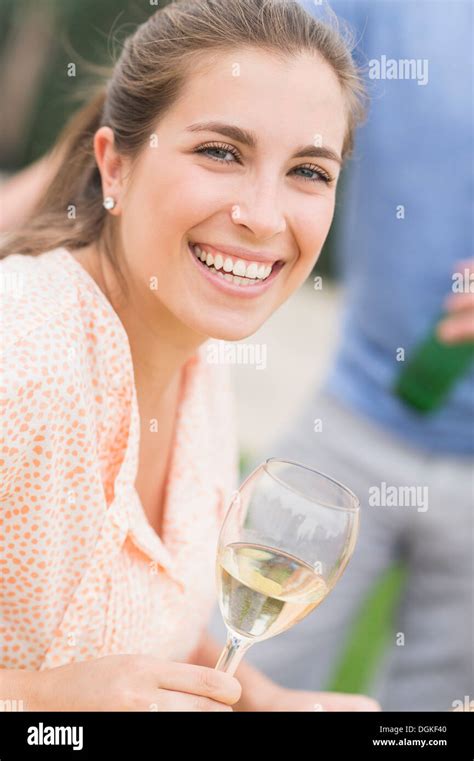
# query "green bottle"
(431, 372)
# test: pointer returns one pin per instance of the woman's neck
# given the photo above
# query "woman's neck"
(160, 344)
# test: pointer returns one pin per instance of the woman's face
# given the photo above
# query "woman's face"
(249, 207)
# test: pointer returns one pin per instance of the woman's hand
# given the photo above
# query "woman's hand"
(282, 699)
(458, 325)
(132, 683)
(263, 694)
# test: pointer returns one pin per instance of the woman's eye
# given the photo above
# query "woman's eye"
(222, 149)
(318, 174)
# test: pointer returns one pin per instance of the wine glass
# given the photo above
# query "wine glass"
(286, 539)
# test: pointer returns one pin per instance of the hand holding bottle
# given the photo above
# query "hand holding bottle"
(445, 355)
(458, 325)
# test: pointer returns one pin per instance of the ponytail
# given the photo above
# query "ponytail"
(70, 212)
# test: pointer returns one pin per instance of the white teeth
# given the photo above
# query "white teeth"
(237, 270)
(240, 268)
(252, 270)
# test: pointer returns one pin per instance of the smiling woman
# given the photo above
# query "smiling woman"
(192, 197)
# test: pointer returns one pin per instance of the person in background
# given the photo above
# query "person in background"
(405, 227)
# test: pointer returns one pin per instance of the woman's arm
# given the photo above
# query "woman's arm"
(20, 685)
(20, 192)
(256, 687)
(123, 682)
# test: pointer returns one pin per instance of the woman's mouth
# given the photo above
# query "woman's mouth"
(232, 274)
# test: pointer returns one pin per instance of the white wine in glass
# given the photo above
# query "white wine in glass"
(285, 541)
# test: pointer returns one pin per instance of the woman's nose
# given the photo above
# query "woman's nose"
(261, 212)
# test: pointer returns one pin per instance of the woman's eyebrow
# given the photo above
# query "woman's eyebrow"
(246, 137)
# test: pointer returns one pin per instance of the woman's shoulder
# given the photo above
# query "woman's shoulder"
(51, 302)
(55, 349)
(57, 335)
(36, 292)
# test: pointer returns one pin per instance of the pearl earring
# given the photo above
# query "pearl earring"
(108, 203)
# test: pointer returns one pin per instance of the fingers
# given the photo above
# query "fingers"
(367, 704)
(339, 701)
(458, 302)
(199, 680)
(465, 264)
(457, 328)
(171, 700)
(458, 325)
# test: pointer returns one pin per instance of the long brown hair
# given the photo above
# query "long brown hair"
(148, 77)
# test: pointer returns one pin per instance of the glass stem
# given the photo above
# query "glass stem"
(233, 652)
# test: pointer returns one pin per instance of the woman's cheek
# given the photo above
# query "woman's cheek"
(205, 193)
(315, 226)
(309, 250)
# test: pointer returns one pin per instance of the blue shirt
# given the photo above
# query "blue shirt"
(415, 150)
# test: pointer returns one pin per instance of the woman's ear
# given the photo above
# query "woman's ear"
(111, 166)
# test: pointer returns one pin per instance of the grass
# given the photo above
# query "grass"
(370, 634)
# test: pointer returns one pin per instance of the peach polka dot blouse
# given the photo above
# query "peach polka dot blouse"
(83, 573)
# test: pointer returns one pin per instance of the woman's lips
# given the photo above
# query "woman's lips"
(247, 291)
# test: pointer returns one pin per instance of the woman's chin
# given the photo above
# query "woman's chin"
(220, 324)
(228, 334)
